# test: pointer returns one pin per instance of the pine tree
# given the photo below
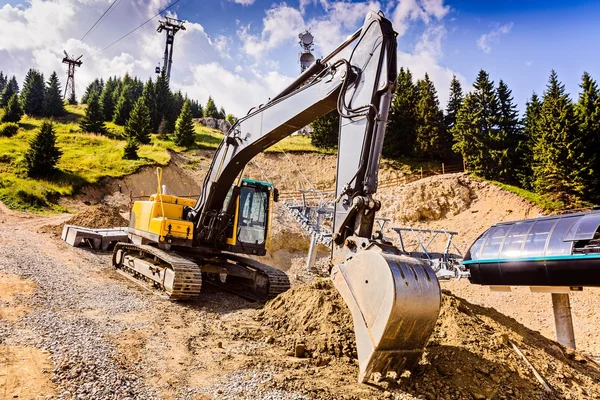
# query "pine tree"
(149, 96)
(164, 103)
(232, 119)
(184, 129)
(3, 81)
(137, 88)
(12, 87)
(53, 102)
(480, 122)
(429, 141)
(197, 111)
(454, 103)
(326, 131)
(222, 113)
(13, 112)
(130, 150)
(509, 136)
(178, 100)
(72, 100)
(93, 122)
(124, 105)
(530, 135)
(465, 133)
(587, 111)
(97, 85)
(400, 136)
(107, 104)
(43, 155)
(138, 124)
(559, 168)
(32, 96)
(211, 109)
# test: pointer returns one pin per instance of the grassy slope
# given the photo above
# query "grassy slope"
(87, 158)
(544, 202)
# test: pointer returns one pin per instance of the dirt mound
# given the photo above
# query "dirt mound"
(100, 216)
(315, 315)
(454, 202)
(430, 199)
(470, 354)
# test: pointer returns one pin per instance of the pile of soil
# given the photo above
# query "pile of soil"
(469, 356)
(430, 199)
(99, 216)
(315, 316)
(455, 202)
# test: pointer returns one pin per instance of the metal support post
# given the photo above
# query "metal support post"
(312, 255)
(563, 320)
(72, 63)
(171, 26)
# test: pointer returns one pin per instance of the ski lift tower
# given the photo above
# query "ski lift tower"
(306, 57)
(171, 26)
(72, 62)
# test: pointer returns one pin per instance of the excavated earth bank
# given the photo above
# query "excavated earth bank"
(469, 356)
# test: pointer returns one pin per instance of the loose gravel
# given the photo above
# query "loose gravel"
(86, 364)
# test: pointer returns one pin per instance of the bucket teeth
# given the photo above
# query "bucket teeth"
(394, 301)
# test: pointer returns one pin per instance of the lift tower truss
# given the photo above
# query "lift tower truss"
(72, 62)
(171, 26)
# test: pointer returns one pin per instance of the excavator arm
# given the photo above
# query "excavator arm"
(394, 299)
(359, 88)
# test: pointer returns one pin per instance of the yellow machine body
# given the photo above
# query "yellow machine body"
(159, 220)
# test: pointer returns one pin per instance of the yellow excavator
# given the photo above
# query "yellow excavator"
(176, 242)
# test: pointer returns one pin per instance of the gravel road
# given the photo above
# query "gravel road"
(82, 309)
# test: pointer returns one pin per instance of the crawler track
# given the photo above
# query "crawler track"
(179, 275)
(183, 283)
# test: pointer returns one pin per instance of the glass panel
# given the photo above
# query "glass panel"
(494, 241)
(514, 240)
(585, 228)
(252, 226)
(536, 240)
(557, 246)
(473, 253)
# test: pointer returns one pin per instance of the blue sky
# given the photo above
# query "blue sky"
(243, 51)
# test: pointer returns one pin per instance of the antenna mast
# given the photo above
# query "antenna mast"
(72, 62)
(171, 26)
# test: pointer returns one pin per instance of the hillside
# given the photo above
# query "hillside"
(88, 158)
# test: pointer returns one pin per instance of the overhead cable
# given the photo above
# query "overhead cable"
(95, 23)
(133, 30)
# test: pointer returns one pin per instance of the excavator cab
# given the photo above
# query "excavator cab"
(249, 228)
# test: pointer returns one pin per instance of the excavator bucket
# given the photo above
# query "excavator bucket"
(394, 301)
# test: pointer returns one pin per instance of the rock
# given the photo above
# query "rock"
(270, 340)
(323, 361)
(220, 345)
(214, 123)
(387, 395)
(299, 350)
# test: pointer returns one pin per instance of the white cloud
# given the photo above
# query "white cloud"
(281, 25)
(238, 71)
(341, 20)
(413, 10)
(484, 41)
(426, 58)
(244, 2)
(231, 90)
(223, 44)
